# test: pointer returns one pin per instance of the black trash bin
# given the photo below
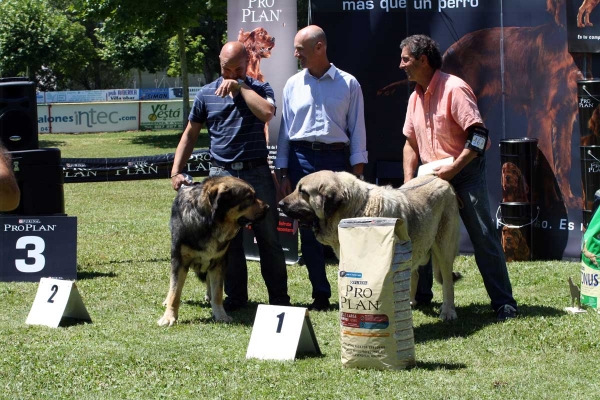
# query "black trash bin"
(40, 178)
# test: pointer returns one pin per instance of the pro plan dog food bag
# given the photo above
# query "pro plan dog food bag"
(590, 260)
(374, 289)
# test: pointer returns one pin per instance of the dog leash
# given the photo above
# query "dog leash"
(461, 205)
(419, 185)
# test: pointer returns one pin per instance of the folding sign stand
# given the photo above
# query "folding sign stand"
(56, 299)
(282, 333)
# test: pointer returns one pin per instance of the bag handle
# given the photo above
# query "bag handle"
(499, 219)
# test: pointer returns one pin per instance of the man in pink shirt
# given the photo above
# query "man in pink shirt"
(442, 120)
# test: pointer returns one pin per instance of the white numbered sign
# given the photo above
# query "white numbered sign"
(32, 247)
(56, 299)
(281, 333)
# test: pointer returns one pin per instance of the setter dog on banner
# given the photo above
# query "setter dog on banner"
(258, 44)
(549, 102)
(514, 185)
(515, 245)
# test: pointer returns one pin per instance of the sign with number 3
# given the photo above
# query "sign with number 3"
(37, 246)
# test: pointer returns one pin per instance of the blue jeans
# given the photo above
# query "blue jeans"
(471, 187)
(303, 161)
(272, 258)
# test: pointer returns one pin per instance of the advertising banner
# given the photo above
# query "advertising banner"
(154, 94)
(583, 26)
(79, 170)
(88, 117)
(87, 96)
(76, 96)
(122, 94)
(177, 93)
(512, 53)
(267, 29)
(161, 115)
(271, 54)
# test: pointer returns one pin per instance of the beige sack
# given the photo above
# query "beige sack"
(374, 289)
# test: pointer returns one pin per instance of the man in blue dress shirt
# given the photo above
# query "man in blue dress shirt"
(322, 121)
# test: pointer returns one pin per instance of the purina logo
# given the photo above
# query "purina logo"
(29, 221)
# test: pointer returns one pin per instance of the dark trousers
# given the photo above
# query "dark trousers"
(272, 258)
(303, 161)
(471, 187)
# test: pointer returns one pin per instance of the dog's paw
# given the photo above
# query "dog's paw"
(167, 320)
(223, 318)
(448, 314)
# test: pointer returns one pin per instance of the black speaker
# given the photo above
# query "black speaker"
(18, 114)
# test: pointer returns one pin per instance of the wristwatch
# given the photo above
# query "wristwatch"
(240, 83)
(361, 177)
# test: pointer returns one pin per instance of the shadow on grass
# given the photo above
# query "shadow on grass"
(471, 319)
(167, 141)
(65, 322)
(434, 366)
(93, 275)
(44, 144)
(244, 316)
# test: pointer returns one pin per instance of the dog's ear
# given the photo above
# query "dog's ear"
(331, 203)
(243, 36)
(503, 236)
(219, 196)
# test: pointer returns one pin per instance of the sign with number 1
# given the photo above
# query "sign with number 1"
(37, 246)
(281, 333)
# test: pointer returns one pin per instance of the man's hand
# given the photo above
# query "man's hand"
(178, 180)
(228, 86)
(445, 172)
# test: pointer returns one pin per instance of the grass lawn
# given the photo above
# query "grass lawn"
(123, 269)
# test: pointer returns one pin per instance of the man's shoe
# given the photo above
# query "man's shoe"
(231, 306)
(280, 302)
(319, 305)
(506, 312)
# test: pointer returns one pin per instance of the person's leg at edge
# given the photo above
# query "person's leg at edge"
(424, 293)
(301, 164)
(272, 257)
(236, 275)
(471, 187)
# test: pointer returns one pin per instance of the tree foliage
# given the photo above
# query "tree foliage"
(145, 50)
(38, 41)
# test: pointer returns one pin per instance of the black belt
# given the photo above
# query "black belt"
(319, 145)
(241, 165)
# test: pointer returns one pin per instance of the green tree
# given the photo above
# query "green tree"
(144, 50)
(169, 17)
(38, 41)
